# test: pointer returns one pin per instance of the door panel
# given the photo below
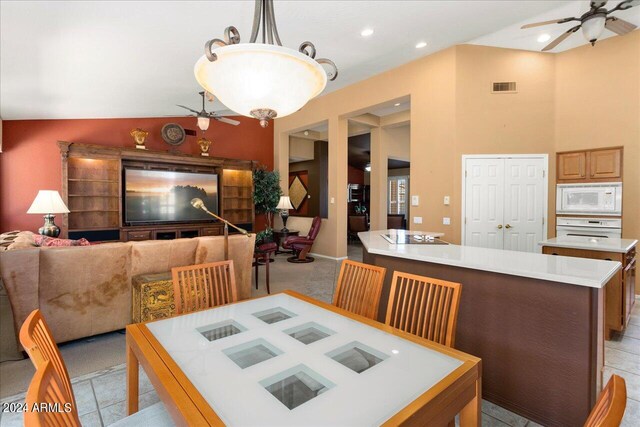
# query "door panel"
(484, 208)
(524, 203)
(572, 166)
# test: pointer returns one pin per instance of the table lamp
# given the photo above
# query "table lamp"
(284, 205)
(48, 202)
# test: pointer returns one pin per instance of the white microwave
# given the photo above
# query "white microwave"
(589, 199)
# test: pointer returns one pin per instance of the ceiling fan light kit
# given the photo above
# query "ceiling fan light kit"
(263, 80)
(593, 23)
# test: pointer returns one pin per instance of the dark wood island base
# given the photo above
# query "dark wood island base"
(541, 342)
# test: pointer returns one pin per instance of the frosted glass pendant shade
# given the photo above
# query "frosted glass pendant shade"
(592, 28)
(252, 76)
(203, 123)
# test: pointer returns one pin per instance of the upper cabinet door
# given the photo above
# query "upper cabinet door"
(572, 166)
(605, 164)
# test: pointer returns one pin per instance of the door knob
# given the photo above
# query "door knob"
(507, 226)
(500, 227)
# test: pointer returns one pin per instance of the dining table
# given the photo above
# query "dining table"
(290, 360)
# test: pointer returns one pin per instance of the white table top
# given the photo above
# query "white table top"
(239, 396)
(570, 270)
(603, 244)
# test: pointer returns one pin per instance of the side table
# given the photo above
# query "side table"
(280, 236)
(152, 297)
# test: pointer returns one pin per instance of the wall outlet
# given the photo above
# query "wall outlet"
(417, 220)
(333, 200)
(415, 200)
(447, 200)
(446, 221)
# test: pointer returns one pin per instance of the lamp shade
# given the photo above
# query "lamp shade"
(48, 202)
(252, 76)
(203, 123)
(592, 28)
(284, 203)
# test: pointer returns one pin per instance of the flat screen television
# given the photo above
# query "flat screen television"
(154, 197)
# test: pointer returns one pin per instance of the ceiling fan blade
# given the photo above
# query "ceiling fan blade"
(598, 4)
(560, 39)
(619, 26)
(555, 21)
(187, 108)
(226, 120)
(624, 5)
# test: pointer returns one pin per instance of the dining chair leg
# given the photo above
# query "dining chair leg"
(132, 380)
(471, 414)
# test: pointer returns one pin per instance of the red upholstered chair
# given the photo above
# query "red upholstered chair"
(301, 245)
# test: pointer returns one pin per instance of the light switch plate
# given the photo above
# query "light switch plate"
(415, 200)
(417, 220)
(333, 200)
(446, 221)
(447, 200)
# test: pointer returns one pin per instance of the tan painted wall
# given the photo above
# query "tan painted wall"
(453, 113)
(301, 149)
(598, 105)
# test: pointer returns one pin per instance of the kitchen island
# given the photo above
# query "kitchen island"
(536, 320)
(620, 292)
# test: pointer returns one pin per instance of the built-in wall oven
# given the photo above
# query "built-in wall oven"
(589, 199)
(589, 227)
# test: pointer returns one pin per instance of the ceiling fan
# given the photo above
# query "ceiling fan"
(593, 22)
(204, 117)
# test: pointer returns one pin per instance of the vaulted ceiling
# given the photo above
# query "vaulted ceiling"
(81, 59)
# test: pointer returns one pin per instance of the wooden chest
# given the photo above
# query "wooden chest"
(152, 297)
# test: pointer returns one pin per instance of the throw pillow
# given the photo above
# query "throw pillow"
(52, 241)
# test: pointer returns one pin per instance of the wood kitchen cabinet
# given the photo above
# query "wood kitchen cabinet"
(590, 165)
(619, 292)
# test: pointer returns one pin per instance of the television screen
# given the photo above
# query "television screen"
(165, 196)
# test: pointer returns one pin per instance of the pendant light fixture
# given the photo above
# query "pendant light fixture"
(262, 79)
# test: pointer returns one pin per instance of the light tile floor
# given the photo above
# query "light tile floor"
(100, 395)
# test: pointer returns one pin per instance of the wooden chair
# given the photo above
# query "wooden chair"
(47, 388)
(609, 408)
(424, 306)
(37, 340)
(359, 288)
(198, 287)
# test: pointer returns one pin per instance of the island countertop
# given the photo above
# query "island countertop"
(570, 270)
(601, 244)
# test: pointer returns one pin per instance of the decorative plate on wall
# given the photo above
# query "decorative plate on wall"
(173, 134)
(297, 192)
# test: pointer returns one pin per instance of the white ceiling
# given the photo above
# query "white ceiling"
(514, 37)
(81, 59)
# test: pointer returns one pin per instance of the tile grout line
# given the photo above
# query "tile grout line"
(95, 398)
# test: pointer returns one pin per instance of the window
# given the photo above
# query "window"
(397, 200)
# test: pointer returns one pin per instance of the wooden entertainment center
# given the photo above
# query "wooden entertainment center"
(92, 189)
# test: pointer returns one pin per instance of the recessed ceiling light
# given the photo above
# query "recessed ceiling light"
(366, 32)
(397, 104)
(421, 45)
(543, 38)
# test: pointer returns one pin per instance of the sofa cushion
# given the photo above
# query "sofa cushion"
(159, 256)
(85, 290)
(16, 240)
(20, 276)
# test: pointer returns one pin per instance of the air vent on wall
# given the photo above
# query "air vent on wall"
(503, 87)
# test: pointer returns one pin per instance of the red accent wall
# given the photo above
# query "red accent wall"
(30, 158)
(355, 175)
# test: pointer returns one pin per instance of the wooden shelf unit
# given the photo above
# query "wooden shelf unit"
(599, 165)
(92, 189)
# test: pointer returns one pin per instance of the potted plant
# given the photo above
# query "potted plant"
(266, 195)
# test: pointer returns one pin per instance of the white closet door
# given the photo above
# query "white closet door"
(484, 198)
(523, 203)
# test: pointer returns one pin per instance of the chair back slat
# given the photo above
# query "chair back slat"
(202, 286)
(609, 409)
(359, 287)
(38, 342)
(47, 388)
(424, 307)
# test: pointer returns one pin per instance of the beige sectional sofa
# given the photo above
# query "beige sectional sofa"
(86, 290)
